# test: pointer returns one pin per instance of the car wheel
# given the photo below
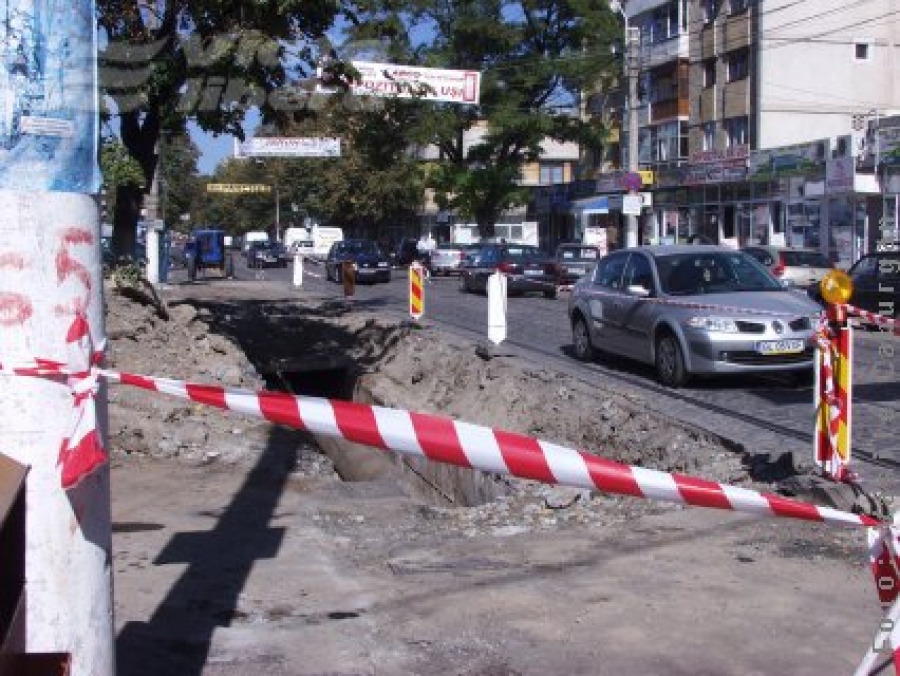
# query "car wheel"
(551, 294)
(581, 339)
(670, 361)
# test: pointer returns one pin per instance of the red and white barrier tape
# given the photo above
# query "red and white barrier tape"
(825, 341)
(82, 451)
(453, 442)
(874, 317)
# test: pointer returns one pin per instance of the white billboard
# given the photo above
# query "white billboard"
(282, 146)
(433, 84)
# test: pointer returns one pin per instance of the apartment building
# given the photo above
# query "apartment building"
(756, 116)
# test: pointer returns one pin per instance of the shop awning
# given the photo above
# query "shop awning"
(592, 205)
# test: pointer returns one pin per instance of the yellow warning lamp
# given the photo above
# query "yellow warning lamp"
(836, 287)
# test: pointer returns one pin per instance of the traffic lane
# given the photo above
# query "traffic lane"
(765, 414)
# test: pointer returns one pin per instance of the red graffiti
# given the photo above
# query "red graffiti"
(12, 260)
(66, 267)
(77, 236)
(15, 309)
(76, 306)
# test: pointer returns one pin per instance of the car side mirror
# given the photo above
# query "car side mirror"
(638, 290)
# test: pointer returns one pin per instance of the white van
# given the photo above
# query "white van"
(254, 236)
(323, 238)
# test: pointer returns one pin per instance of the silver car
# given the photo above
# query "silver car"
(692, 310)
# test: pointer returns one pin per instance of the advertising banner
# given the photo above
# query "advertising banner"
(237, 188)
(804, 159)
(288, 147)
(433, 84)
(48, 96)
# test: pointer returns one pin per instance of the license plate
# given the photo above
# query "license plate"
(533, 273)
(574, 271)
(780, 347)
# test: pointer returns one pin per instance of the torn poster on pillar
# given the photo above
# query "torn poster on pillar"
(48, 96)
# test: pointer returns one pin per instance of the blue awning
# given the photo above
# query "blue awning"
(592, 205)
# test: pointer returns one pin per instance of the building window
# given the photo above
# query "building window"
(662, 24)
(709, 136)
(737, 131)
(738, 6)
(710, 9)
(551, 173)
(862, 51)
(709, 73)
(738, 65)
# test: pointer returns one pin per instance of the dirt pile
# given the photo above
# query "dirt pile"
(205, 342)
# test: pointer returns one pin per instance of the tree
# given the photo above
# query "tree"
(536, 56)
(178, 175)
(166, 61)
(119, 170)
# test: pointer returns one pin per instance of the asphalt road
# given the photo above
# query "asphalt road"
(762, 414)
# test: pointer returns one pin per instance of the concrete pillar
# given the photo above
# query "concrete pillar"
(154, 235)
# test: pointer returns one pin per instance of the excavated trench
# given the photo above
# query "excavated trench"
(435, 483)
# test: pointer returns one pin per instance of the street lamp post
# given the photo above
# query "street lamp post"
(631, 45)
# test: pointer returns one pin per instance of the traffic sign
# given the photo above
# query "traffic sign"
(631, 205)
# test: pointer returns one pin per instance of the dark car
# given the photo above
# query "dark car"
(267, 254)
(574, 261)
(408, 252)
(876, 284)
(369, 262)
(527, 269)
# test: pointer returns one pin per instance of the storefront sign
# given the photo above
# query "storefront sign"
(805, 159)
(740, 152)
(724, 171)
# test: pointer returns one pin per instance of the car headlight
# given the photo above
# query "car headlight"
(714, 324)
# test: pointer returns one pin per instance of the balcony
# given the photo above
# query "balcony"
(708, 42)
(708, 104)
(737, 32)
(669, 110)
(736, 98)
(657, 53)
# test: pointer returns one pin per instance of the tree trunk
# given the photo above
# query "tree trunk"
(125, 218)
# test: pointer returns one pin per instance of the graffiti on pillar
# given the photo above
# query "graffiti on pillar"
(48, 110)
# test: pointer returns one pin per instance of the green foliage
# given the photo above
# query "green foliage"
(119, 169)
(536, 57)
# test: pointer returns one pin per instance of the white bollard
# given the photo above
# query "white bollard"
(298, 270)
(154, 264)
(496, 293)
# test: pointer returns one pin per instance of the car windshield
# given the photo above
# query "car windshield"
(804, 259)
(522, 253)
(714, 272)
(577, 253)
(361, 247)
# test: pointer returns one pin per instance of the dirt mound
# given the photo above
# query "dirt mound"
(205, 341)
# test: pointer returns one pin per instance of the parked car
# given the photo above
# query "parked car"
(762, 326)
(447, 259)
(573, 261)
(369, 262)
(876, 284)
(527, 269)
(407, 252)
(267, 254)
(796, 267)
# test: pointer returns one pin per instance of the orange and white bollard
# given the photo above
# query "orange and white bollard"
(833, 392)
(416, 291)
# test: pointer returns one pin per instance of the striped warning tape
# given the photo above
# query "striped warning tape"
(464, 444)
(874, 318)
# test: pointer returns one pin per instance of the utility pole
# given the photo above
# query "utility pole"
(53, 310)
(632, 45)
(632, 39)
